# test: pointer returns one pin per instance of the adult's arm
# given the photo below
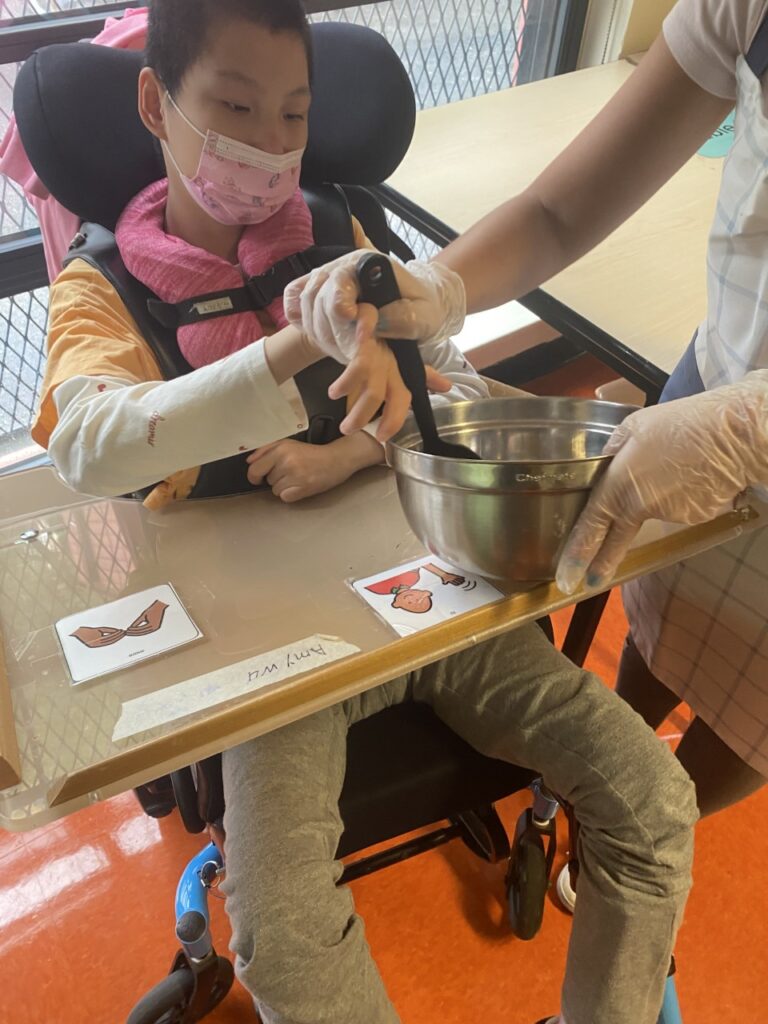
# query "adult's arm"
(647, 131)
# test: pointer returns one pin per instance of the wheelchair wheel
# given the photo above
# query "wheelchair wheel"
(483, 832)
(527, 883)
(156, 798)
(168, 1001)
(185, 792)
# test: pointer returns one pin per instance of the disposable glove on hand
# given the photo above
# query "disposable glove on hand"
(682, 462)
(325, 305)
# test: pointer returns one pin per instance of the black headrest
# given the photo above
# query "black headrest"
(75, 105)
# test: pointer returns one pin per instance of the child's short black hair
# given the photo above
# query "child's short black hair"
(178, 30)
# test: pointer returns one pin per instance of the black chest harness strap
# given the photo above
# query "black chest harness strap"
(256, 294)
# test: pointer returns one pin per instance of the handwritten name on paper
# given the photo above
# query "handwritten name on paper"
(224, 684)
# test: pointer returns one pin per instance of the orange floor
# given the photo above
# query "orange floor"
(86, 918)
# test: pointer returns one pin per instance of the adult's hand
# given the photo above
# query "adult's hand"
(683, 462)
(325, 305)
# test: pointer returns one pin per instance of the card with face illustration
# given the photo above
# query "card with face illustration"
(423, 593)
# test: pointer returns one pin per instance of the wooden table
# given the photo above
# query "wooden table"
(255, 575)
(637, 298)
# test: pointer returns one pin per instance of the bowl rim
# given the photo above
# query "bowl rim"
(410, 425)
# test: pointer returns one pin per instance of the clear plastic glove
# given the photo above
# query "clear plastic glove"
(324, 304)
(682, 462)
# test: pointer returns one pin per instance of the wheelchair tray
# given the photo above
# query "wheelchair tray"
(10, 762)
(254, 575)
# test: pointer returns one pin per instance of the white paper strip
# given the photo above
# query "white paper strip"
(194, 695)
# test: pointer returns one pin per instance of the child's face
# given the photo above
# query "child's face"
(250, 85)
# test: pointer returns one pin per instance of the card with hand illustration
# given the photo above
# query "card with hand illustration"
(421, 594)
(113, 636)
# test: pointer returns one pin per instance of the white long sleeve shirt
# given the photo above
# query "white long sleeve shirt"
(112, 425)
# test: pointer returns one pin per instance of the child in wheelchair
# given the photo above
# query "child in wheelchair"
(226, 91)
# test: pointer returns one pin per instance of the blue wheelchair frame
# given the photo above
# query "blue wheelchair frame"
(670, 1009)
(192, 918)
(193, 921)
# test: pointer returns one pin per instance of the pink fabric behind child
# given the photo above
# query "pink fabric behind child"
(175, 270)
(58, 225)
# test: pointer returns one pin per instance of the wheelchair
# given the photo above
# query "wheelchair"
(431, 776)
(405, 770)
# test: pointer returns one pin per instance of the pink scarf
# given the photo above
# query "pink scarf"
(175, 270)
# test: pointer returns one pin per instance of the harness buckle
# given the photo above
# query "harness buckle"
(270, 285)
(299, 264)
(260, 295)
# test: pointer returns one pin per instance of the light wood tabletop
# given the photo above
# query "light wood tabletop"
(642, 292)
(255, 575)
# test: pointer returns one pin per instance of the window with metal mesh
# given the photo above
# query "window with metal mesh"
(22, 357)
(453, 49)
(35, 8)
(15, 212)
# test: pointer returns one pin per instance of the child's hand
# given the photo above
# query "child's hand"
(371, 380)
(295, 470)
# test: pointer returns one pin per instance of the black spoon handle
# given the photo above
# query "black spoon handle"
(414, 375)
(378, 287)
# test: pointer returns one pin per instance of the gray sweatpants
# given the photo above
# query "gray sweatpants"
(300, 947)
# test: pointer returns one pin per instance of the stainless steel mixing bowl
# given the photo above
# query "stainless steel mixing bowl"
(509, 515)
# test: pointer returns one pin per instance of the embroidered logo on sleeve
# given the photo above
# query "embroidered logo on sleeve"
(154, 419)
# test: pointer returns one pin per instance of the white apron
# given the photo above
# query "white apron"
(702, 625)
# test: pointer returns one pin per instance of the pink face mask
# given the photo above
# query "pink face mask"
(236, 183)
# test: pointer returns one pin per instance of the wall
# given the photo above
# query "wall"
(644, 24)
(615, 28)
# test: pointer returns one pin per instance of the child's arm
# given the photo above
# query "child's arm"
(295, 470)
(110, 421)
(114, 437)
(112, 425)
